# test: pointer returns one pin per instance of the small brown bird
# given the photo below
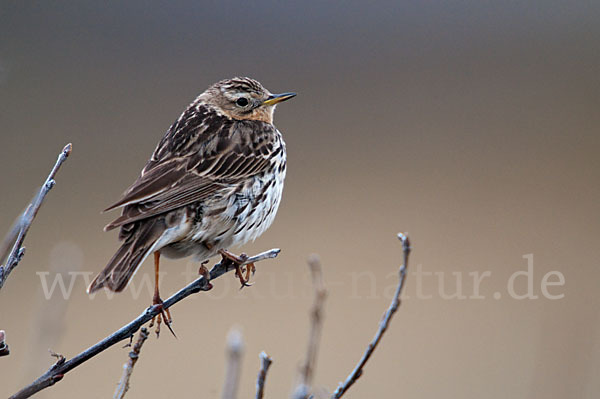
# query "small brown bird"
(214, 181)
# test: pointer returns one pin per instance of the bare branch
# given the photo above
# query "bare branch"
(307, 370)
(134, 355)
(235, 348)
(257, 258)
(16, 236)
(61, 367)
(4, 351)
(265, 363)
(383, 325)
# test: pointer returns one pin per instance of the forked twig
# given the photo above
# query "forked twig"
(61, 367)
(15, 238)
(383, 325)
(134, 355)
(265, 363)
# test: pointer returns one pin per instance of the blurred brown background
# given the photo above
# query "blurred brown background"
(474, 126)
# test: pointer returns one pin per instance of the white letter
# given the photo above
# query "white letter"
(529, 275)
(419, 274)
(58, 279)
(87, 277)
(458, 294)
(146, 282)
(390, 291)
(476, 282)
(371, 276)
(546, 283)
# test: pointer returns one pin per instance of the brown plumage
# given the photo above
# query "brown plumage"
(214, 181)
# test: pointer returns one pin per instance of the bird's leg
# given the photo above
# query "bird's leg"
(250, 269)
(238, 261)
(203, 271)
(164, 314)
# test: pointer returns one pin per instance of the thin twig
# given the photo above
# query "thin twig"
(235, 348)
(4, 351)
(383, 325)
(307, 370)
(62, 366)
(16, 236)
(265, 363)
(123, 386)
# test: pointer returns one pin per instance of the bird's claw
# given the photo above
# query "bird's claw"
(163, 315)
(204, 272)
(240, 268)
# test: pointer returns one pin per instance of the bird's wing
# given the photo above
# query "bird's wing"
(194, 161)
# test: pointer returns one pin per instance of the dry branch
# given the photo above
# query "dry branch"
(15, 238)
(265, 363)
(62, 366)
(4, 351)
(383, 325)
(307, 370)
(134, 355)
(235, 349)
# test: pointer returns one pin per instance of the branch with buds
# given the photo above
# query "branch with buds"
(12, 248)
(383, 325)
(134, 355)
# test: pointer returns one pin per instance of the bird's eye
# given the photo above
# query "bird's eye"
(242, 101)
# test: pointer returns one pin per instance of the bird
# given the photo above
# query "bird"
(214, 181)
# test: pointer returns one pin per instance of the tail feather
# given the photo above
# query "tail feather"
(138, 244)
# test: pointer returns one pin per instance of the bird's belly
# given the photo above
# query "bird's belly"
(256, 216)
(240, 216)
(231, 219)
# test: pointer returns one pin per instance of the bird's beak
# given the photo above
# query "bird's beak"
(277, 98)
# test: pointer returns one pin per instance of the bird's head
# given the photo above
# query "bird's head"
(243, 98)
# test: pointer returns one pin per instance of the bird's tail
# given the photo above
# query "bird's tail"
(139, 240)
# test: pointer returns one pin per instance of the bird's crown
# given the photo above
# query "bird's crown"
(240, 84)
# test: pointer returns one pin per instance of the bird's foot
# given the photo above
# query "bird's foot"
(163, 315)
(242, 270)
(203, 271)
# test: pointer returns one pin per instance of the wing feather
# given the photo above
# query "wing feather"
(209, 159)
